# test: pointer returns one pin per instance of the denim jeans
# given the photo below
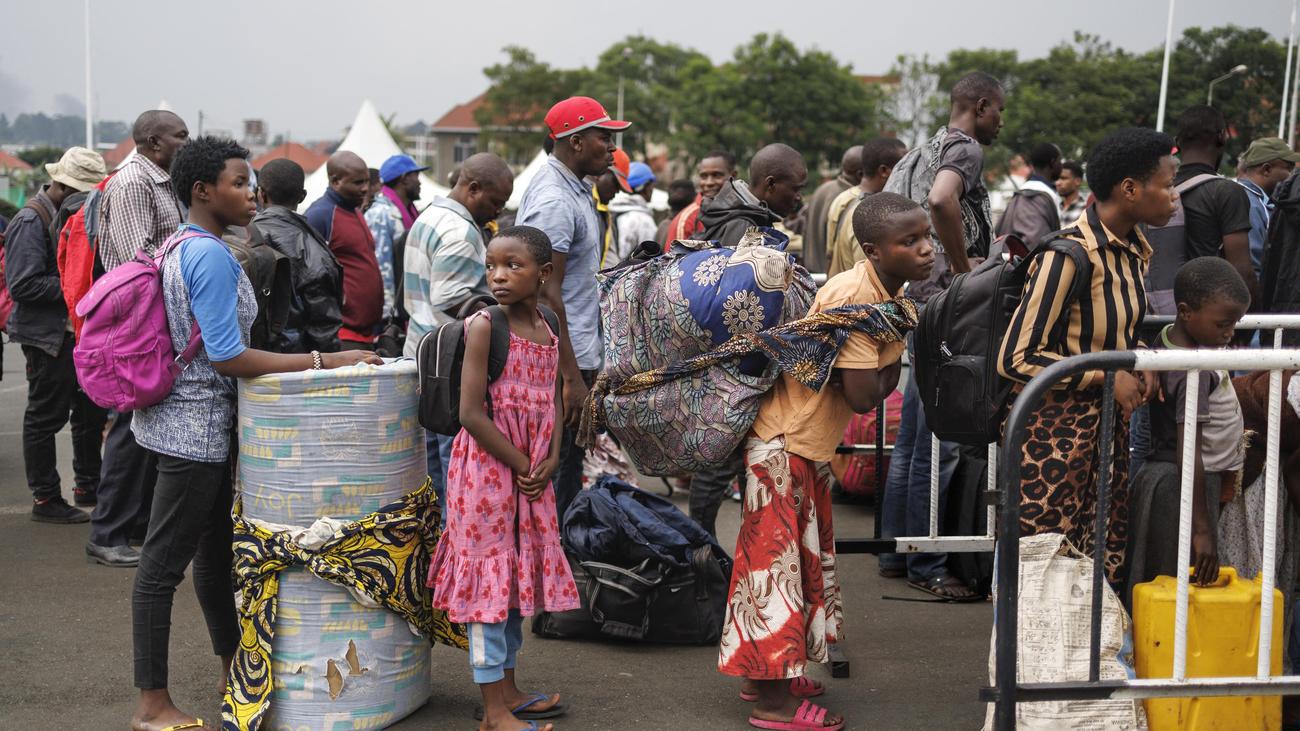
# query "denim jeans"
(493, 647)
(190, 522)
(905, 508)
(568, 479)
(437, 457)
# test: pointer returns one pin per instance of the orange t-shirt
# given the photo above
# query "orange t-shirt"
(813, 422)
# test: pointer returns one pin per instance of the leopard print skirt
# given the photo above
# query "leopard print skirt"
(1060, 471)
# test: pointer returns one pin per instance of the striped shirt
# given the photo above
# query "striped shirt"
(138, 211)
(1106, 320)
(445, 264)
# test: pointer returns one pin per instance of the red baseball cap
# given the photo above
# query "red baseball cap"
(578, 113)
(622, 168)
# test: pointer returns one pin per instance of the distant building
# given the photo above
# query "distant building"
(254, 133)
(308, 158)
(13, 168)
(456, 136)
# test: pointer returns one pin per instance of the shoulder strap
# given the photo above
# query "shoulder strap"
(46, 218)
(499, 348)
(1195, 181)
(551, 318)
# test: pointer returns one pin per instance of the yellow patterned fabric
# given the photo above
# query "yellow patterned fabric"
(384, 556)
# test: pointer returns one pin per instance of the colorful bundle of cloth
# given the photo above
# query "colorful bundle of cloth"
(332, 544)
(680, 305)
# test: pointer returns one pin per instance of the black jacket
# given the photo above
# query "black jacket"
(40, 317)
(316, 309)
(733, 211)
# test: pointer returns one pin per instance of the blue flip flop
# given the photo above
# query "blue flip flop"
(523, 715)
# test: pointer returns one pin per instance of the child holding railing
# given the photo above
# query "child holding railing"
(1211, 299)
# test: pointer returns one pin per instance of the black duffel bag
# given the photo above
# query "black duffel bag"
(649, 602)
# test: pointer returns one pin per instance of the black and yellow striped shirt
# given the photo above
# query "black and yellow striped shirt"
(1107, 320)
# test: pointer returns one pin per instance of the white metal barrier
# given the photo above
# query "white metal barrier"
(1007, 691)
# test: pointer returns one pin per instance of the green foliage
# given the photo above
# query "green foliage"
(38, 156)
(770, 90)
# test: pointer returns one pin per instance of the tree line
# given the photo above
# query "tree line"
(59, 130)
(771, 90)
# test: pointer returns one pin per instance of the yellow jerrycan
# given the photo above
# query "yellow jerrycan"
(1222, 641)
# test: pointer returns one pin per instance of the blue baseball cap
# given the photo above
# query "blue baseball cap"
(639, 174)
(397, 166)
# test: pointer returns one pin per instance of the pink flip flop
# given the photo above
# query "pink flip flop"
(800, 687)
(809, 717)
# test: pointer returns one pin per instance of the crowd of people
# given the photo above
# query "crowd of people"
(371, 273)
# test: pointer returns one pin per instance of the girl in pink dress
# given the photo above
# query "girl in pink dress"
(500, 558)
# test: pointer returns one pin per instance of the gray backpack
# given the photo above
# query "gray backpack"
(1169, 251)
(913, 177)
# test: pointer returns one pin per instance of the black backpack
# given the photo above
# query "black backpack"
(958, 341)
(1281, 277)
(441, 356)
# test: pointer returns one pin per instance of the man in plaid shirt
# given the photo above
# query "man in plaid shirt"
(139, 211)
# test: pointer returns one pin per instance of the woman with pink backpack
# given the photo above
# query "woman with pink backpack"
(207, 295)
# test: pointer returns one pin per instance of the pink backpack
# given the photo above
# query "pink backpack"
(124, 356)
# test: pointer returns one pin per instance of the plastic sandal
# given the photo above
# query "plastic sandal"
(196, 723)
(809, 717)
(520, 713)
(800, 687)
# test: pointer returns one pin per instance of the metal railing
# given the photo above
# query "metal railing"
(1007, 691)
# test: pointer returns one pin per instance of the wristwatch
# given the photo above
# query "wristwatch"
(315, 360)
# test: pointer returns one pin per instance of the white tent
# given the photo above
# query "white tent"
(658, 199)
(369, 138)
(523, 179)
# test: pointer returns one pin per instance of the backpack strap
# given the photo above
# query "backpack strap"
(1195, 181)
(191, 351)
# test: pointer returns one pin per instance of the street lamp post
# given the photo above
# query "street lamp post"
(1237, 70)
(1164, 72)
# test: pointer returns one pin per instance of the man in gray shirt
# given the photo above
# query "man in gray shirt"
(559, 202)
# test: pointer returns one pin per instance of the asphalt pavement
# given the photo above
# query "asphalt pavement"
(65, 639)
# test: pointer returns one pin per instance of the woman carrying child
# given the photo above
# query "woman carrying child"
(191, 429)
(1131, 173)
(500, 557)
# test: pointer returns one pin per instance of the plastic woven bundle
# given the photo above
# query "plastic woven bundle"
(334, 444)
(680, 305)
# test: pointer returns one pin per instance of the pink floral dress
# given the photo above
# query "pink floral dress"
(499, 550)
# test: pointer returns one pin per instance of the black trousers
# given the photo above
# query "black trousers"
(54, 398)
(190, 521)
(568, 478)
(125, 487)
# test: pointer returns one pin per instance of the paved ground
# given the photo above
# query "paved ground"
(65, 630)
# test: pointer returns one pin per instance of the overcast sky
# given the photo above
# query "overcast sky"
(305, 67)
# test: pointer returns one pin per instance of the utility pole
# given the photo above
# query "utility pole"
(90, 117)
(1164, 74)
(1286, 79)
(1295, 89)
(200, 123)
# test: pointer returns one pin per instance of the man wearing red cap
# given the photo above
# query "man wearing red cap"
(559, 202)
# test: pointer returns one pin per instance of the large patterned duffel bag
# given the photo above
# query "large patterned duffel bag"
(682, 304)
